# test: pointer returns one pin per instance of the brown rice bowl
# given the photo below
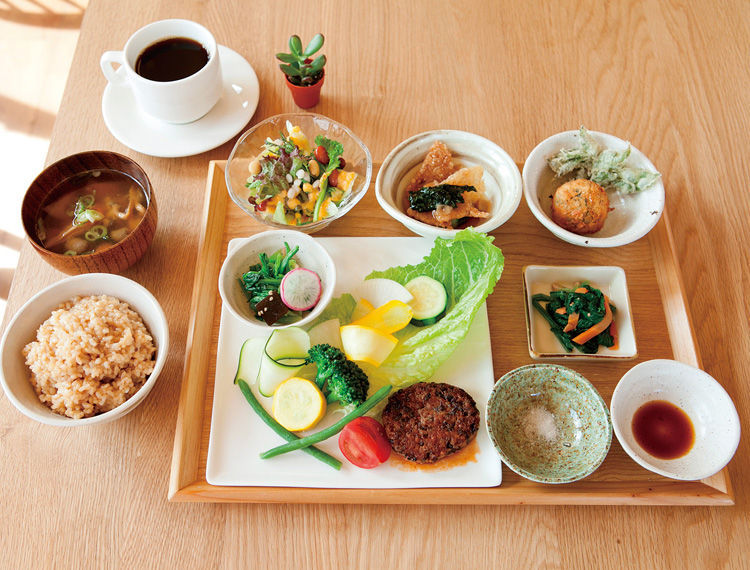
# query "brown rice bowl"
(90, 356)
(22, 330)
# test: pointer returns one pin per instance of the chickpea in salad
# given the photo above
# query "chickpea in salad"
(294, 183)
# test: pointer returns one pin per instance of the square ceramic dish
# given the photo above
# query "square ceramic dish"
(543, 345)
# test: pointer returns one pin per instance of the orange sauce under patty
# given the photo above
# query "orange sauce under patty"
(466, 455)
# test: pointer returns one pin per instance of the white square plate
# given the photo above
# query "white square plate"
(543, 344)
(238, 435)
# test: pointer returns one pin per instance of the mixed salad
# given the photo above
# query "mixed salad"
(295, 183)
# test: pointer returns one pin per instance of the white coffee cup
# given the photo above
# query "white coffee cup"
(180, 101)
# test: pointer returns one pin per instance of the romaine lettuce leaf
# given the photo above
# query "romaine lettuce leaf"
(468, 266)
(340, 308)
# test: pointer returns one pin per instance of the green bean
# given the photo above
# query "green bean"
(330, 431)
(279, 429)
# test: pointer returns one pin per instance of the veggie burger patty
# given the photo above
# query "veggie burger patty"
(428, 421)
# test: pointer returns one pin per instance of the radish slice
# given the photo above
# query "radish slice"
(380, 290)
(326, 332)
(300, 289)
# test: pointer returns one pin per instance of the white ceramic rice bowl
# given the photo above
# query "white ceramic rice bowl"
(14, 374)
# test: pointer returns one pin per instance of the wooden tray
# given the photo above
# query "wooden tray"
(662, 327)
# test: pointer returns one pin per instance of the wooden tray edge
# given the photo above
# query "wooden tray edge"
(679, 320)
(186, 485)
(662, 493)
(186, 452)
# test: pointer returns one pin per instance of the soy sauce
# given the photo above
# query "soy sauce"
(663, 430)
(171, 59)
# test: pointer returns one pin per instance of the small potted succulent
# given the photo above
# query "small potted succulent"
(304, 75)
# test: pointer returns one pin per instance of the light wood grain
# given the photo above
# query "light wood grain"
(671, 76)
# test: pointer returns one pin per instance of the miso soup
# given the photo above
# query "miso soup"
(90, 212)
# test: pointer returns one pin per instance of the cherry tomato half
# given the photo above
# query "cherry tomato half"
(364, 443)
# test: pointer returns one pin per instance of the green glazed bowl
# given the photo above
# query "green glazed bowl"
(548, 423)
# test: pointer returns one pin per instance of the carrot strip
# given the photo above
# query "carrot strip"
(561, 311)
(598, 328)
(572, 322)
(581, 290)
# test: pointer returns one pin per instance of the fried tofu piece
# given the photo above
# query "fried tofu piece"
(437, 165)
(438, 168)
(469, 208)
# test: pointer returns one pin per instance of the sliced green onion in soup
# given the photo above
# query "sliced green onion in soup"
(87, 216)
(83, 203)
(86, 201)
(96, 233)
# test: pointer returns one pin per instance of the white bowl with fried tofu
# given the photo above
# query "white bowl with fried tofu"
(439, 182)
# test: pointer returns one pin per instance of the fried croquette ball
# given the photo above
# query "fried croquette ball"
(580, 206)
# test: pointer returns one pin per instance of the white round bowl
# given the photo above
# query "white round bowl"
(700, 396)
(634, 215)
(245, 252)
(14, 374)
(501, 177)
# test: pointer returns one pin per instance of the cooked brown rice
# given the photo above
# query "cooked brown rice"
(90, 356)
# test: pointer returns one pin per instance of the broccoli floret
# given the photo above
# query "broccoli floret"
(340, 379)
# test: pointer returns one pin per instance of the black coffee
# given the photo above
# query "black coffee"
(171, 59)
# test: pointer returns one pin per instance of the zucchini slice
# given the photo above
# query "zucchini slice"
(284, 355)
(430, 298)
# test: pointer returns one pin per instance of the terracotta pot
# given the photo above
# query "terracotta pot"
(307, 96)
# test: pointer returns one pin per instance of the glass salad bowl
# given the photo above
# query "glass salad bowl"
(284, 189)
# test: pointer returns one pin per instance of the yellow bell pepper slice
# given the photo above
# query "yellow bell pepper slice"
(346, 180)
(298, 137)
(365, 344)
(388, 318)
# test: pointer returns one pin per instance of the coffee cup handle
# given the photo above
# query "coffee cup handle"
(107, 62)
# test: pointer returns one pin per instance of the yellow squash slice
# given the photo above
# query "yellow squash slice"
(388, 318)
(298, 404)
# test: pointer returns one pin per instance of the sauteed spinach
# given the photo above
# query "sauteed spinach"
(581, 317)
(264, 277)
(429, 198)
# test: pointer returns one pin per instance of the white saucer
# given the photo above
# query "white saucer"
(143, 133)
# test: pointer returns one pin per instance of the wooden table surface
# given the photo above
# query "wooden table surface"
(670, 76)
